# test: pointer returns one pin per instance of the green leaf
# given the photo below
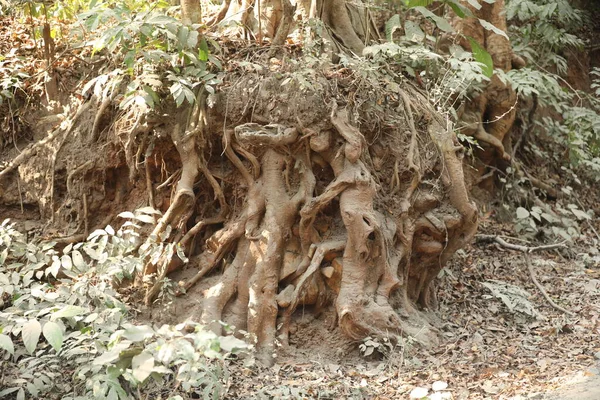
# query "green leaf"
(159, 19)
(138, 333)
(230, 343)
(491, 27)
(31, 334)
(53, 334)
(457, 9)
(145, 218)
(7, 344)
(203, 50)
(581, 214)
(483, 57)
(68, 311)
(441, 23)
(391, 26)
(475, 4)
(142, 366)
(148, 210)
(66, 262)
(78, 260)
(126, 215)
(418, 3)
(460, 10)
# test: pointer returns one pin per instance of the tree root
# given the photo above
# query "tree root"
(32, 150)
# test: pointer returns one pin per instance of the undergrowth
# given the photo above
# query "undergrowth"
(64, 328)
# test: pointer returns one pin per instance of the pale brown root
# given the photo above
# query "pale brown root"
(355, 141)
(218, 192)
(335, 15)
(293, 295)
(412, 166)
(83, 167)
(221, 14)
(227, 138)
(198, 227)
(309, 212)
(182, 206)
(482, 136)
(99, 114)
(220, 244)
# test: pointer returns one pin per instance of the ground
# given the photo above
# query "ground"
(487, 351)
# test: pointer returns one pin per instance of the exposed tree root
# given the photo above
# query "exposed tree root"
(312, 206)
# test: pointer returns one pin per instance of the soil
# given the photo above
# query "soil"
(583, 386)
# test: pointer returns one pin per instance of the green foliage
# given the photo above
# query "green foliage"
(59, 311)
(542, 29)
(449, 77)
(146, 43)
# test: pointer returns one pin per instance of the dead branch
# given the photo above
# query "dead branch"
(526, 250)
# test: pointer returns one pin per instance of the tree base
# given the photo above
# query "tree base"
(298, 189)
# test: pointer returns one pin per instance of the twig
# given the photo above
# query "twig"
(169, 179)
(526, 250)
(541, 288)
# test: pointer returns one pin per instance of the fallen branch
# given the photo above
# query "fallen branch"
(526, 250)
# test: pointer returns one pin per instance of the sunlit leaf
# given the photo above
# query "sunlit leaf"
(6, 343)
(31, 334)
(142, 366)
(482, 56)
(53, 334)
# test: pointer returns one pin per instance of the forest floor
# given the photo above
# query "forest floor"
(487, 351)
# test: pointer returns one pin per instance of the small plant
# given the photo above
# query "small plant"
(59, 311)
(369, 345)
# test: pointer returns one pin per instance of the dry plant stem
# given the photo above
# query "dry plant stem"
(95, 133)
(412, 166)
(149, 188)
(526, 251)
(541, 288)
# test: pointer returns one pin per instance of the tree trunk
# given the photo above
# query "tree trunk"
(191, 12)
(489, 117)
